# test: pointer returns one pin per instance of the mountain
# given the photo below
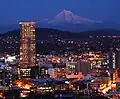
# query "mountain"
(67, 17)
(67, 21)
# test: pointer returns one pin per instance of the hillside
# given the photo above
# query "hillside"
(45, 33)
(9, 42)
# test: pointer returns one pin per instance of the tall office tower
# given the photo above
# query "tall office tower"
(83, 66)
(118, 59)
(27, 45)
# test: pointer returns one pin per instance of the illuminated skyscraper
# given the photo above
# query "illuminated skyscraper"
(27, 45)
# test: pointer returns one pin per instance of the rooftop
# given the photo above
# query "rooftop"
(27, 23)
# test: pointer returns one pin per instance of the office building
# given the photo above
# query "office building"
(83, 66)
(27, 45)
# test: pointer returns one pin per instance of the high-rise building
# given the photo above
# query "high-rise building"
(83, 66)
(112, 59)
(27, 45)
(117, 61)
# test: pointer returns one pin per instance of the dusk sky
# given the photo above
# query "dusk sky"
(12, 11)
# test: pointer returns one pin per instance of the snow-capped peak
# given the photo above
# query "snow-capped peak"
(64, 13)
(67, 16)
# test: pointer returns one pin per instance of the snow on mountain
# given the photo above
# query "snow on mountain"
(67, 21)
(67, 17)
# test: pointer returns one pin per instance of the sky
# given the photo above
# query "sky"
(13, 11)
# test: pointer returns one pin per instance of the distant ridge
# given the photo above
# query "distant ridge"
(44, 33)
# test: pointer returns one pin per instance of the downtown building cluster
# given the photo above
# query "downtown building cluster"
(93, 70)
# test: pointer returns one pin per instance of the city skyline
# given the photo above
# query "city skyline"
(55, 49)
(16, 11)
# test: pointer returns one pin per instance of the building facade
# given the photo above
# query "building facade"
(27, 45)
(83, 66)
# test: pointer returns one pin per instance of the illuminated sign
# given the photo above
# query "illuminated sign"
(31, 72)
(56, 60)
(25, 72)
(96, 63)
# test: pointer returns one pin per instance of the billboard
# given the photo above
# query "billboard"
(32, 72)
